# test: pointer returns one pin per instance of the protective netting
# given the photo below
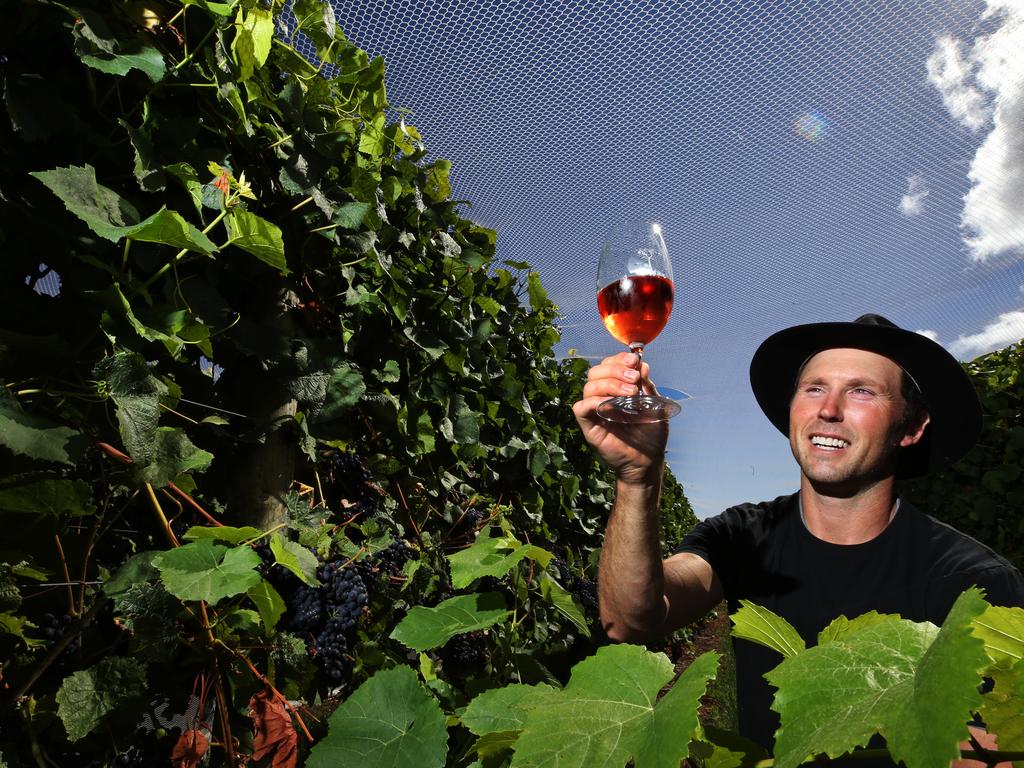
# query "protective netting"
(808, 161)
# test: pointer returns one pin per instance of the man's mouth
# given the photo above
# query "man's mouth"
(829, 443)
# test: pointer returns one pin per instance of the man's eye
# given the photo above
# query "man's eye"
(863, 391)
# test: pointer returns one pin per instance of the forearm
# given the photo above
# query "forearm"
(631, 580)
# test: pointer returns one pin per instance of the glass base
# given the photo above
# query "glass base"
(638, 409)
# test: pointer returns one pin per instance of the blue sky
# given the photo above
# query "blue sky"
(807, 161)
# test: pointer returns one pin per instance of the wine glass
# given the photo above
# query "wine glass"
(634, 296)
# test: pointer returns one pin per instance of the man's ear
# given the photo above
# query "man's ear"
(914, 430)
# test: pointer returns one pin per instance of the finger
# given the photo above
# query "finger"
(606, 388)
(614, 369)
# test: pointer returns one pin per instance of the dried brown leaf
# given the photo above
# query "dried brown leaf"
(275, 733)
(189, 750)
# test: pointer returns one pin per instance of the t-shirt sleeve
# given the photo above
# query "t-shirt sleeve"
(712, 541)
(1002, 583)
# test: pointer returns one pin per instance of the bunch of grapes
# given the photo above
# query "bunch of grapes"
(394, 558)
(345, 477)
(466, 525)
(53, 629)
(582, 588)
(465, 654)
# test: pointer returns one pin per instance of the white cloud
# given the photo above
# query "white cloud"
(912, 203)
(993, 217)
(952, 74)
(933, 335)
(1008, 329)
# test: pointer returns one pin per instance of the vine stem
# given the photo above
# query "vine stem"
(398, 488)
(180, 254)
(161, 517)
(218, 688)
(195, 505)
(67, 574)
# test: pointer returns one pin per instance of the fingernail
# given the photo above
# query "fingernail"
(629, 389)
(632, 375)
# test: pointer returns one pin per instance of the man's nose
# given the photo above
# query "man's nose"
(831, 407)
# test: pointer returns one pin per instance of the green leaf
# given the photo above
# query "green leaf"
(538, 296)
(173, 454)
(226, 533)
(14, 625)
(99, 49)
(488, 305)
(504, 709)
(1002, 631)
(51, 496)
(36, 437)
(492, 556)
(761, 626)
(426, 628)
(254, 30)
(87, 696)
(390, 720)
(350, 215)
(913, 683)
(842, 626)
(437, 187)
(206, 571)
(563, 602)
(1001, 707)
(344, 388)
(171, 342)
(112, 217)
(137, 392)
(269, 603)
(259, 237)
(607, 713)
(296, 558)
(136, 570)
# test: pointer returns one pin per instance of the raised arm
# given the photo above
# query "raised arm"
(640, 595)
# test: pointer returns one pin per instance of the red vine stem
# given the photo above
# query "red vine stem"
(195, 505)
(218, 687)
(114, 453)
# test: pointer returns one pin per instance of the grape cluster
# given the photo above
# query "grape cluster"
(464, 654)
(466, 525)
(394, 558)
(582, 588)
(54, 628)
(345, 477)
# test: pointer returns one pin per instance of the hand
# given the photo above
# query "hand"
(635, 452)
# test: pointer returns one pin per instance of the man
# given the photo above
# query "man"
(862, 404)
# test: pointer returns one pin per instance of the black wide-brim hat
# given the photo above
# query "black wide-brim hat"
(945, 388)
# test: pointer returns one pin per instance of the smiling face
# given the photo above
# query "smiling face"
(846, 419)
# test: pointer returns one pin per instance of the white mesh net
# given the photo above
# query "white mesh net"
(808, 161)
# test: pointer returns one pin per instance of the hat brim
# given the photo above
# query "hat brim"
(947, 391)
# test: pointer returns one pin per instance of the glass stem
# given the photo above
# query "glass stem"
(638, 348)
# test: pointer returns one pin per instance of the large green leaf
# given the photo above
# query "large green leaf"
(912, 682)
(254, 29)
(112, 217)
(259, 237)
(425, 628)
(761, 626)
(269, 603)
(36, 437)
(97, 47)
(607, 713)
(87, 696)
(206, 571)
(389, 721)
(48, 496)
(492, 556)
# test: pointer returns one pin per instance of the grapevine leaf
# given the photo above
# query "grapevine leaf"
(538, 296)
(259, 237)
(254, 30)
(296, 558)
(206, 571)
(350, 215)
(171, 342)
(344, 388)
(275, 735)
(426, 628)
(127, 54)
(51, 496)
(112, 217)
(226, 533)
(438, 187)
(492, 556)
(504, 709)
(761, 626)
(137, 393)
(389, 720)
(87, 696)
(563, 602)
(269, 603)
(1002, 630)
(136, 570)
(676, 714)
(1001, 707)
(913, 683)
(173, 454)
(12, 624)
(607, 713)
(35, 437)
(842, 626)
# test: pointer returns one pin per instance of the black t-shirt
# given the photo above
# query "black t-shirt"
(917, 567)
